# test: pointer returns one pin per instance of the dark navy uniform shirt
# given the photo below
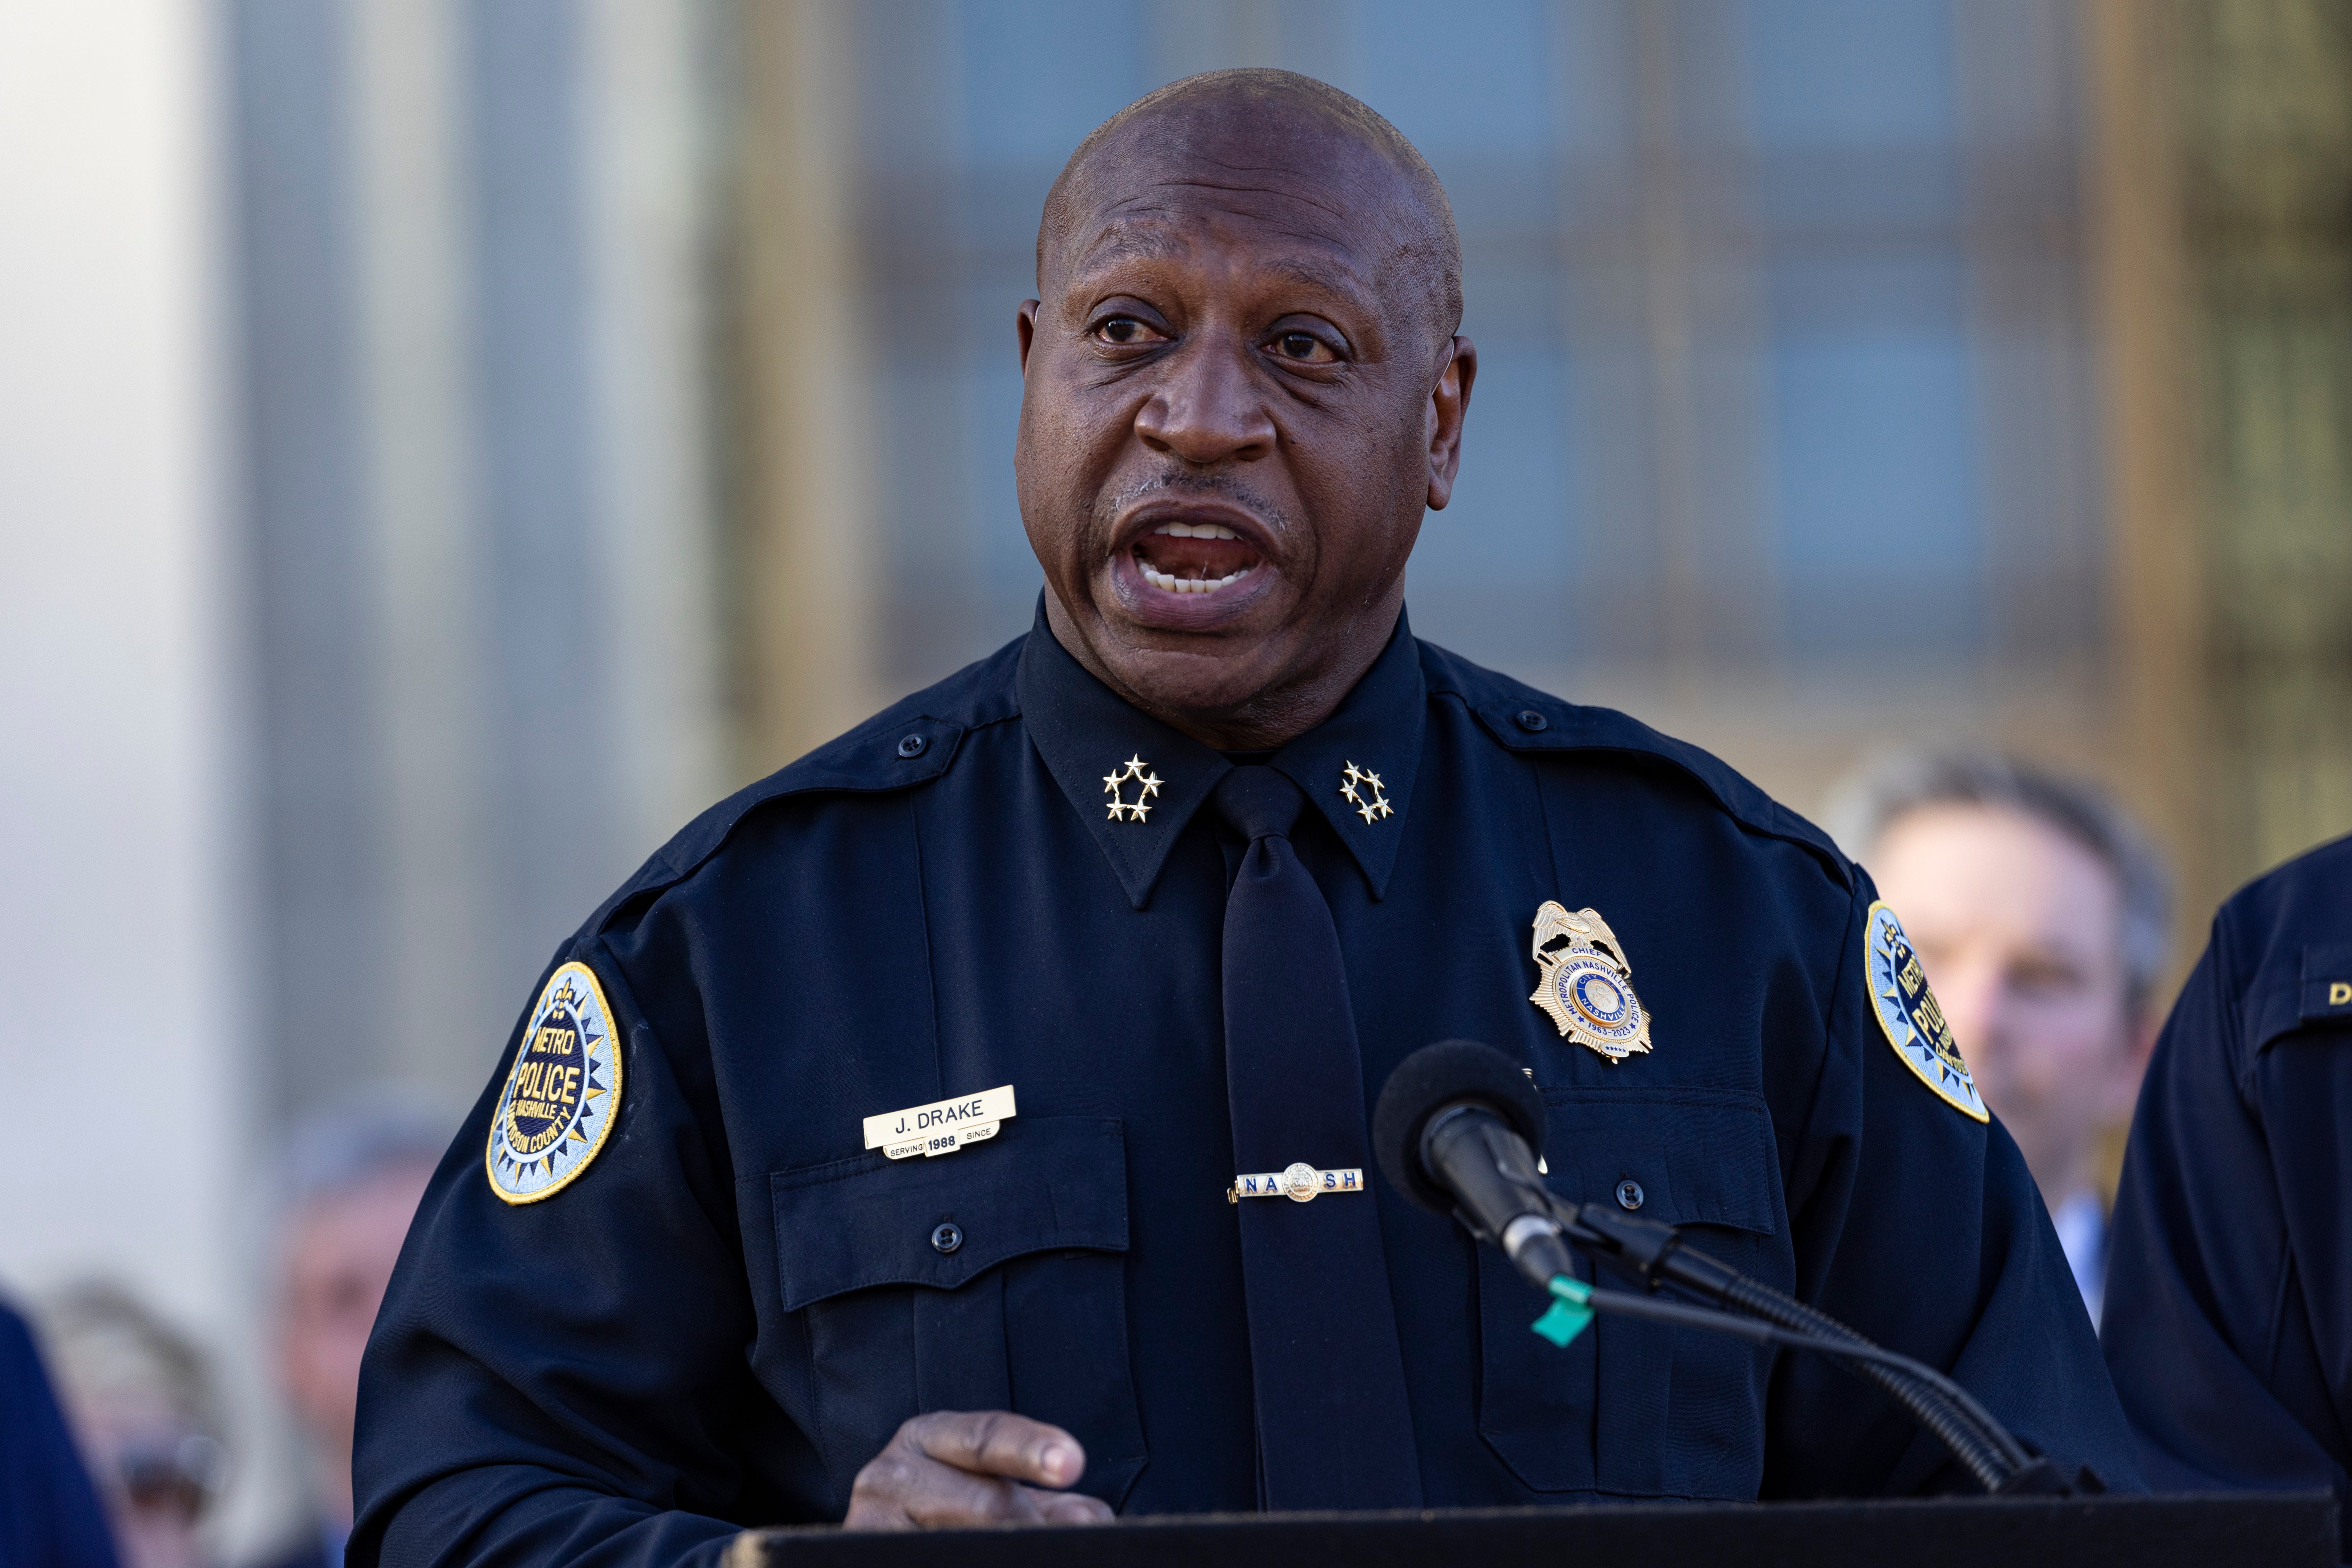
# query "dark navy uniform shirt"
(736, 1303)
(2229, 1311)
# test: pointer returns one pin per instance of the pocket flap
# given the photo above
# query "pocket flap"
(1701, 1157)
(1043, 1184)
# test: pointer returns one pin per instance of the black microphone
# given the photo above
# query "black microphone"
(1458, 1130)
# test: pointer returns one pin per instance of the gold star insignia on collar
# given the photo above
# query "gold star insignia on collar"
(1353, 784)
(1147, 785)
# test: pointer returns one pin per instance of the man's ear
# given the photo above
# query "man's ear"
(1027, 328)
(1449, 405)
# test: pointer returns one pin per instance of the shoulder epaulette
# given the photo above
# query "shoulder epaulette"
(911, 742)
(1521, 719)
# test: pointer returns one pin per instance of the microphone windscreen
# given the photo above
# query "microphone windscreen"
(1429, 1079)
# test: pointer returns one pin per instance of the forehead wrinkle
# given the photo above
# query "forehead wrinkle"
(1322, 270)
(1296, 188)
(1140, 227)
(1300, 196)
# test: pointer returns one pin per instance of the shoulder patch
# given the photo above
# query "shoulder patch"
(1907, 1011)
(561, 1095)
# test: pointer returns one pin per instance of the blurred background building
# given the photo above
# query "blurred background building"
(446, 443)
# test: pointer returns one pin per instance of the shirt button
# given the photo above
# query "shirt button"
(1530, 719)
(1629, 1195)
(911, 745)
(948, 1238)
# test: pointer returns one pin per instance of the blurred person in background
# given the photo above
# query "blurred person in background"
(2231, 1342)
(351, 1188)
(2039, 912)
(49, 1513)
(142, 1400)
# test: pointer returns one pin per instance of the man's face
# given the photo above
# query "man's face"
(2019, 930)
(339, 1259)
(1235, 409)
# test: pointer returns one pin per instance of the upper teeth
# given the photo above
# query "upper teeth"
(1196, 530)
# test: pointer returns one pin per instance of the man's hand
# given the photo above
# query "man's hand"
(955, 1468)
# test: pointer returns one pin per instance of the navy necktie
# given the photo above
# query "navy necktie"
(1334, 1430)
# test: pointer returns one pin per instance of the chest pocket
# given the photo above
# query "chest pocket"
(991, 1278)
(1633, 1408)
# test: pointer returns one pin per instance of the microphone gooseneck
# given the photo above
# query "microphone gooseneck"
(1458, 1130)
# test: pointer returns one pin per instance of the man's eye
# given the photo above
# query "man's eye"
(1126, 330)
(2046, 981)
(1305, 348)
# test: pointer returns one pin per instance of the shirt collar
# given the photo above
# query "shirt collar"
(1092, 740)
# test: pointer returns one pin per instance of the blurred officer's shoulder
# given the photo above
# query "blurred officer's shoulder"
(2283, 946)
(49, 1510)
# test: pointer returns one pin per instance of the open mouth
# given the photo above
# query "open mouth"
(1195, 557)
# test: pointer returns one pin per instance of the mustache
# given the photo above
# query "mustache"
(1228, 487)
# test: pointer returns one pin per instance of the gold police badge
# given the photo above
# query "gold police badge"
(562, 1094)
(1588, 985)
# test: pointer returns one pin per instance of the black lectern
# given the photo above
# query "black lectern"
(2289, 1530)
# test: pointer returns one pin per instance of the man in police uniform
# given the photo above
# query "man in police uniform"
(2228, 1324)
(967, 1122)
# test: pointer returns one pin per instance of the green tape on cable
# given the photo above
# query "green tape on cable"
(1571, 1308)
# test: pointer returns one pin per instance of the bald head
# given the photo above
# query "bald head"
(1347, 172)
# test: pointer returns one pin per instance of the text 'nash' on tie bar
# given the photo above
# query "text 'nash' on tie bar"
(1300, 1183)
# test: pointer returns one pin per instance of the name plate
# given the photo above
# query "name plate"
(942, 1127)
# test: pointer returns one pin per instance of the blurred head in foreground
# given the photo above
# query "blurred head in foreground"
(351, 1188)
(2039, 912)
(142, 1401)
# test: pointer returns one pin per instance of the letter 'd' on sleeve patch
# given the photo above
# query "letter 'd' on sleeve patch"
(1907, 1011)
(560, 1096)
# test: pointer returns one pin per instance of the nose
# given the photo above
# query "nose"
(1207, 409)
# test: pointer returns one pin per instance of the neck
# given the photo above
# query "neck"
(331, 1489)
(1268, 719)
(2074, 1177)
